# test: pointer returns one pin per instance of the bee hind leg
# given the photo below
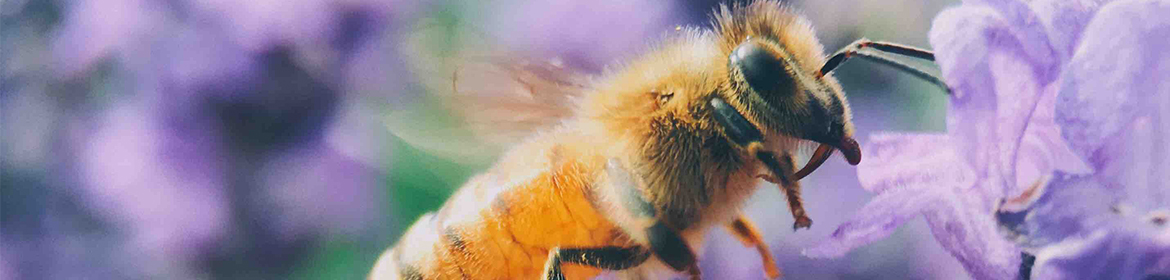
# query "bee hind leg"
(745, 230)
(608, 258)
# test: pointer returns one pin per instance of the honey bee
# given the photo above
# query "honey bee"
(629, 172)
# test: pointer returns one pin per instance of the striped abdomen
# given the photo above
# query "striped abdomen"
(501, 224)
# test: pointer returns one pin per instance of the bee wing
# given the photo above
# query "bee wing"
(502, 103)
(483, 104)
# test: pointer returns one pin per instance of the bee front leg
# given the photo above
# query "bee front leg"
(744, 134)
(664, 241)
(743, 229)
(782, 170)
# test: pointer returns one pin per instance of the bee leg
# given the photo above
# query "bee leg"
(860, 48)
(782, 170)
(669, 246)
(743, 229)
(552, 266)
(665, 241)
(608, 258)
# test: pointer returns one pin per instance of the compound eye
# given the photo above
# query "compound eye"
(763, 71)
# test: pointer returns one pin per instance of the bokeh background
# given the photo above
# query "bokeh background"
(214, 139)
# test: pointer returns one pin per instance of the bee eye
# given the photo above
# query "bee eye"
(762, 70)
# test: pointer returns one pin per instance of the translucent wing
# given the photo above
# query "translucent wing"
(475, 106)
(504, 102)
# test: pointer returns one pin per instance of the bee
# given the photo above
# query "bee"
(630, 171)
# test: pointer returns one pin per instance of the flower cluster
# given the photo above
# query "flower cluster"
(178, 137)
(1056, 144)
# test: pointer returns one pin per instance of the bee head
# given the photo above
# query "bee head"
(775, 84)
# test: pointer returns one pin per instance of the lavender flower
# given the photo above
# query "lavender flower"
(1007, 62)
(223, 132)
(1114, 109)
(593, 37)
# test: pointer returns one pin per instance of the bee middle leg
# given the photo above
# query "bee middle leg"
(669, 246)
(745, 230)
(608, 258)
(664, 241)
(782, 170)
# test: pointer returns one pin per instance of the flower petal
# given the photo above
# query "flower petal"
(1065, 21)
(876, 220)
(898, 160)
(1042, 150)
(999, 65)
(1029, 29)
(1128, 254)
(1067, 206)
(1115, 98)
(962, 37)
(1115, 73)
(964, 228)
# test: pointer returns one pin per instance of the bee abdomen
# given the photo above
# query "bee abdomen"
(494, 230)
(394, 264)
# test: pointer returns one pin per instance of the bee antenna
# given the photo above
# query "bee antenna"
(861, 48)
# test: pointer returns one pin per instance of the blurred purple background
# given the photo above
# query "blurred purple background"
(197, 139)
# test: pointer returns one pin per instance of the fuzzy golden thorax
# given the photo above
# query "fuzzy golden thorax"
(652, 113)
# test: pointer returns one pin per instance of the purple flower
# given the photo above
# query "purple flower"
(1114, 109)
(589, 33)
(161, 184)
(1007, 62)
(93, 30)
(229, 129)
